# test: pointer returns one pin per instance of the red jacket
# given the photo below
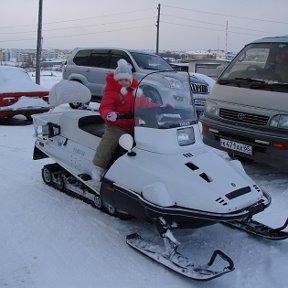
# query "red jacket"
(114, 100)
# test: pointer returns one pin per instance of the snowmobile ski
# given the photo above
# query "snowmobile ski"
(181, 264)
(260, 229)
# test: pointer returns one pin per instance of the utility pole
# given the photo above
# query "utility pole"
(39, 44)
(226, 38)
(157, 25)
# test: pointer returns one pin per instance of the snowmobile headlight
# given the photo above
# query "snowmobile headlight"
(186, 136)
(279, 121)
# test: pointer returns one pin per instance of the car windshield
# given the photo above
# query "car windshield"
(150, 61)
(259, 66)
(166, 101)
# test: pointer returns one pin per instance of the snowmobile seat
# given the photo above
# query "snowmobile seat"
(93, 124)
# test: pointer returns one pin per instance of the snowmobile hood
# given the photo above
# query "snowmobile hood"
(191, 176)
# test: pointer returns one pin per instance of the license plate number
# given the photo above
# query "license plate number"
(199, 102)
(232, 145)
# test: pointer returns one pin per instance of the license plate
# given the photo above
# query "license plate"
(199, 102)
(246, 149)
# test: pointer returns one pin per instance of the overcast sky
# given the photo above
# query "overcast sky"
(184, 24)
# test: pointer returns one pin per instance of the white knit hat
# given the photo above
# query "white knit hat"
(123, 71)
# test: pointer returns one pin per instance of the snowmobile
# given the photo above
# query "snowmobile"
(164, 173)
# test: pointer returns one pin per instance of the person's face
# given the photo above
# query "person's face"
(124, 83)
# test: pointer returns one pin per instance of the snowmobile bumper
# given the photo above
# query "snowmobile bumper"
(38, 154)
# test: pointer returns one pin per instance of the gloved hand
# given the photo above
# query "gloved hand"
(112, 116)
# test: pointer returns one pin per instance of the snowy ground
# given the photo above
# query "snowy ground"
(49, 239)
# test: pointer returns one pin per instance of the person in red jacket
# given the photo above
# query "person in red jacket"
(119, 96)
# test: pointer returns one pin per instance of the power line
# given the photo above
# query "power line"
(81, 19)
(80, 34)
(216, 24)
(206, 28)
(228, 15)
(82, 26)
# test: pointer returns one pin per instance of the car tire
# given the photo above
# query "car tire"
(75, 105)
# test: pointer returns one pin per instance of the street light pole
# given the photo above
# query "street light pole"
(39, 40)
(157, 25)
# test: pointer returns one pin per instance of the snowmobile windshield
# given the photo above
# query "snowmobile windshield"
(166, 101)
(262, 66)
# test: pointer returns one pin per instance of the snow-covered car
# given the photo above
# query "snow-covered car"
(19, 94)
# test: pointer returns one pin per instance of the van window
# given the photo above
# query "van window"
(259, 66)
(254, 56)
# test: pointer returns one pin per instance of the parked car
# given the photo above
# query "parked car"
(19, 94)
(246, 113)
(90, 66)
(201, 87)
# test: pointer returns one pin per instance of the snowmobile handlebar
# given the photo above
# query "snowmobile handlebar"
(129, 115)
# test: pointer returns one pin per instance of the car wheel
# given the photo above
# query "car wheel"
(75, 105)
(29, 117)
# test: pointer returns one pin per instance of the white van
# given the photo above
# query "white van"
(246, 113)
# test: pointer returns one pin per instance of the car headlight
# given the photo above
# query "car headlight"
(279, 121)
(175, 83)
(211, 108)
(186, 136)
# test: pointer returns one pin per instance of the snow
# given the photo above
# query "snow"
(205, 78)
(26, 103)
(67, 91)
(13, 79)
(49, 239)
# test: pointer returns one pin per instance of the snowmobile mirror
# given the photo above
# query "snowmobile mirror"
(126, 141)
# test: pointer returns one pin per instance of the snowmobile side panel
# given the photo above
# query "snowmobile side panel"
(134, 204)
(130, 203)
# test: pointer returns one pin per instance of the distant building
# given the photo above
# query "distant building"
(209, 67)
(6, 55)
(26, 59)
(55, 65)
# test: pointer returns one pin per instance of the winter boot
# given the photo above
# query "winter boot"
(97, 173)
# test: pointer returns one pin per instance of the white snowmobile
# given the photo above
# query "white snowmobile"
(165, 174)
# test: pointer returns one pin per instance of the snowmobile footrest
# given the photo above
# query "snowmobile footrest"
(218, 264)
